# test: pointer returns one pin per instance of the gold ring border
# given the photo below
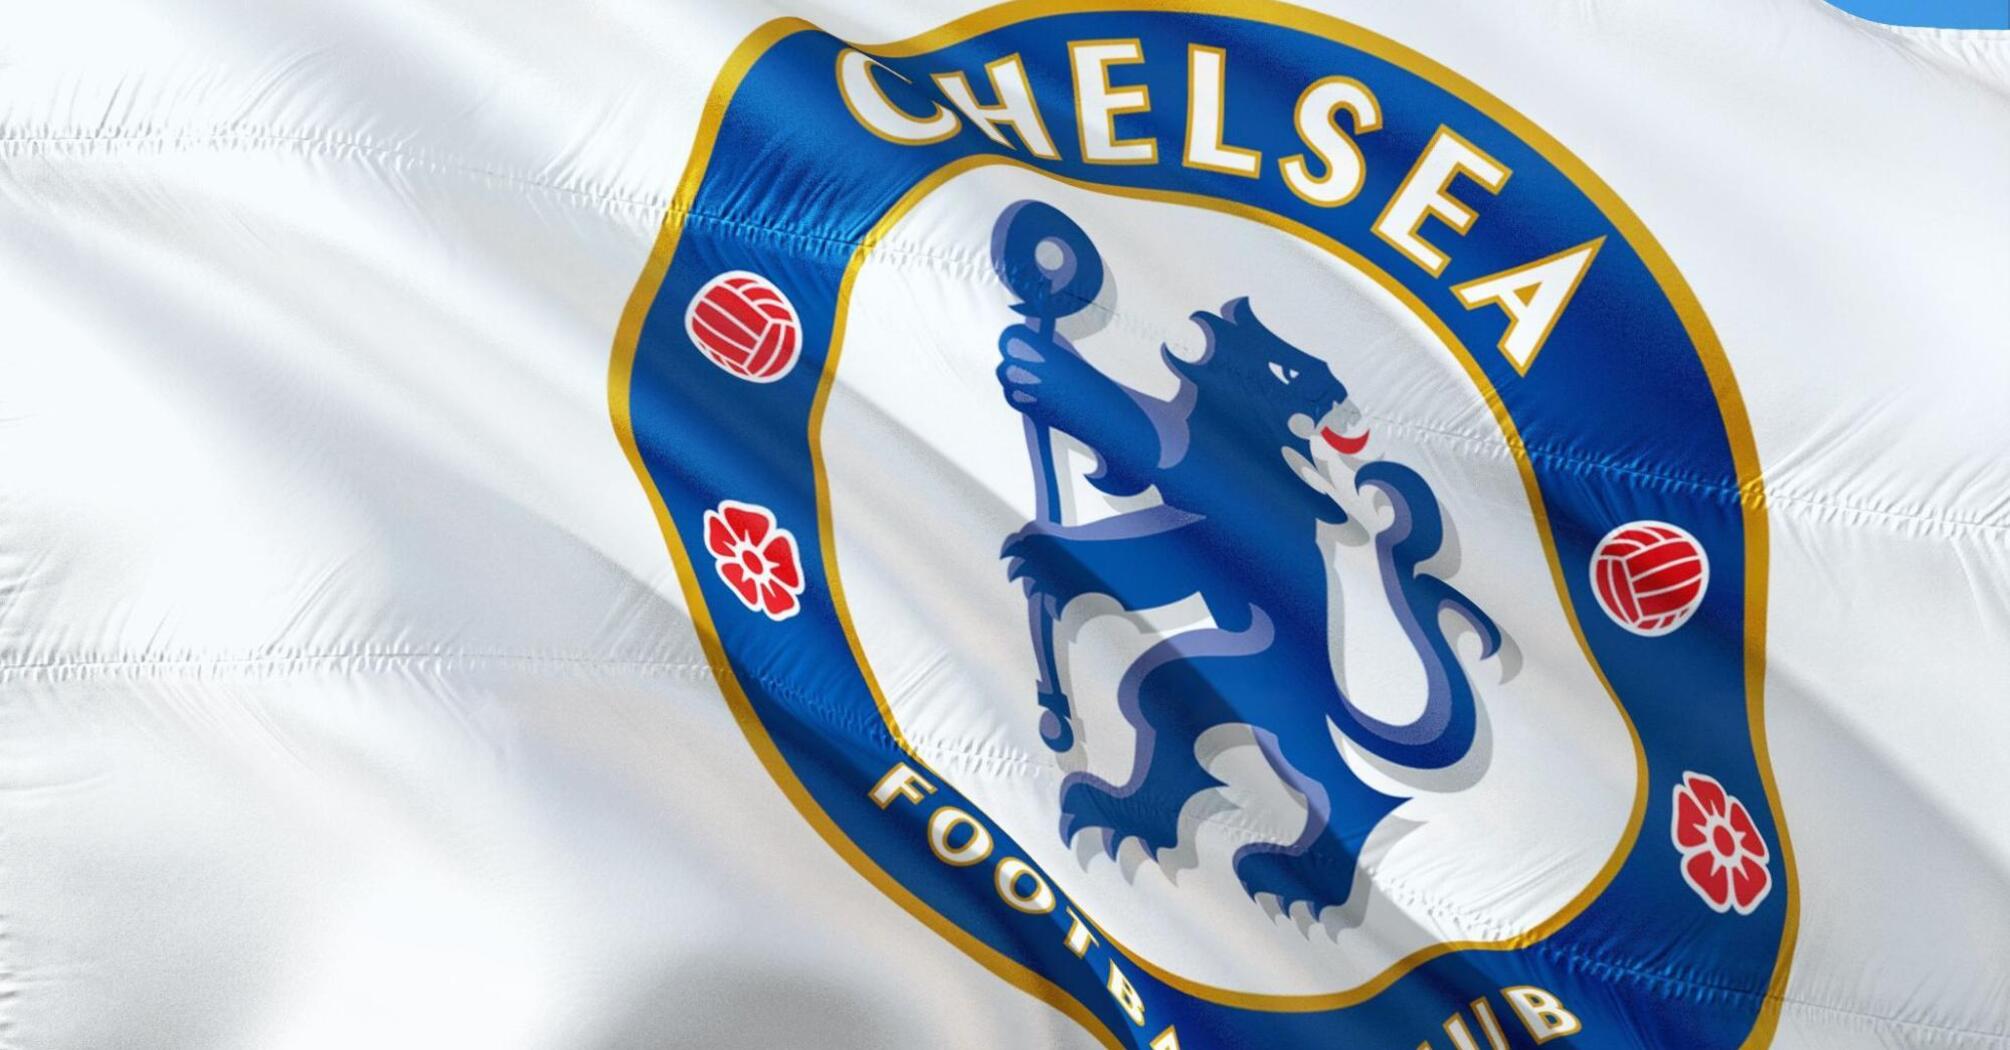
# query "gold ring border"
(1717, 368)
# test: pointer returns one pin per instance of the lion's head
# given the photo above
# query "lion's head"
(1255, 403)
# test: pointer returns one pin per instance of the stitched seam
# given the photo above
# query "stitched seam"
(819, 709)
(946, 263)
(10, 968)
(325, 142)
(1571, 954)
(111, 666)
(972, 265)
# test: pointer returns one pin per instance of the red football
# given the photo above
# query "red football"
(1649, 576)
(746, 326)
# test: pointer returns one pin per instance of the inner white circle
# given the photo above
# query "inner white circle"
(928, 474)
(1050, 255)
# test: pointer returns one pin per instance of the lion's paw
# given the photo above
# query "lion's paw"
(1047, 564)
(1087, 806)
(1318, 877)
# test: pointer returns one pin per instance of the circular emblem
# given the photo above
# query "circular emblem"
(1650, 576)
(1163, 582)
(746, 326)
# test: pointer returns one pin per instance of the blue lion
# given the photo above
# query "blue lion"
(1237, 525)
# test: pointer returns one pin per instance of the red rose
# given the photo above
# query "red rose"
(1724, 858)
(755, 558)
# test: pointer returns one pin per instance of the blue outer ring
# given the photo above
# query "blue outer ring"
(1618, 413)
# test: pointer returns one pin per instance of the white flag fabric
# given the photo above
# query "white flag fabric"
(1074, 523)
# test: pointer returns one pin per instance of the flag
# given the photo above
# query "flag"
(1203, 524)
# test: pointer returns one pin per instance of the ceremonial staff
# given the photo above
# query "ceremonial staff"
(1052, 266)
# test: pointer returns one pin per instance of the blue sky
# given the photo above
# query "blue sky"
(1965, 14)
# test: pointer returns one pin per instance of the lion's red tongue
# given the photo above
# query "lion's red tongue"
(1346, 446)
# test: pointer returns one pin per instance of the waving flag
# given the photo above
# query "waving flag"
(1155, 525)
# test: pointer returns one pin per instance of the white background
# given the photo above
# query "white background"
(345, 696)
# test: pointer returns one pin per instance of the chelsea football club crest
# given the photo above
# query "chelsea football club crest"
(1229, 524)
